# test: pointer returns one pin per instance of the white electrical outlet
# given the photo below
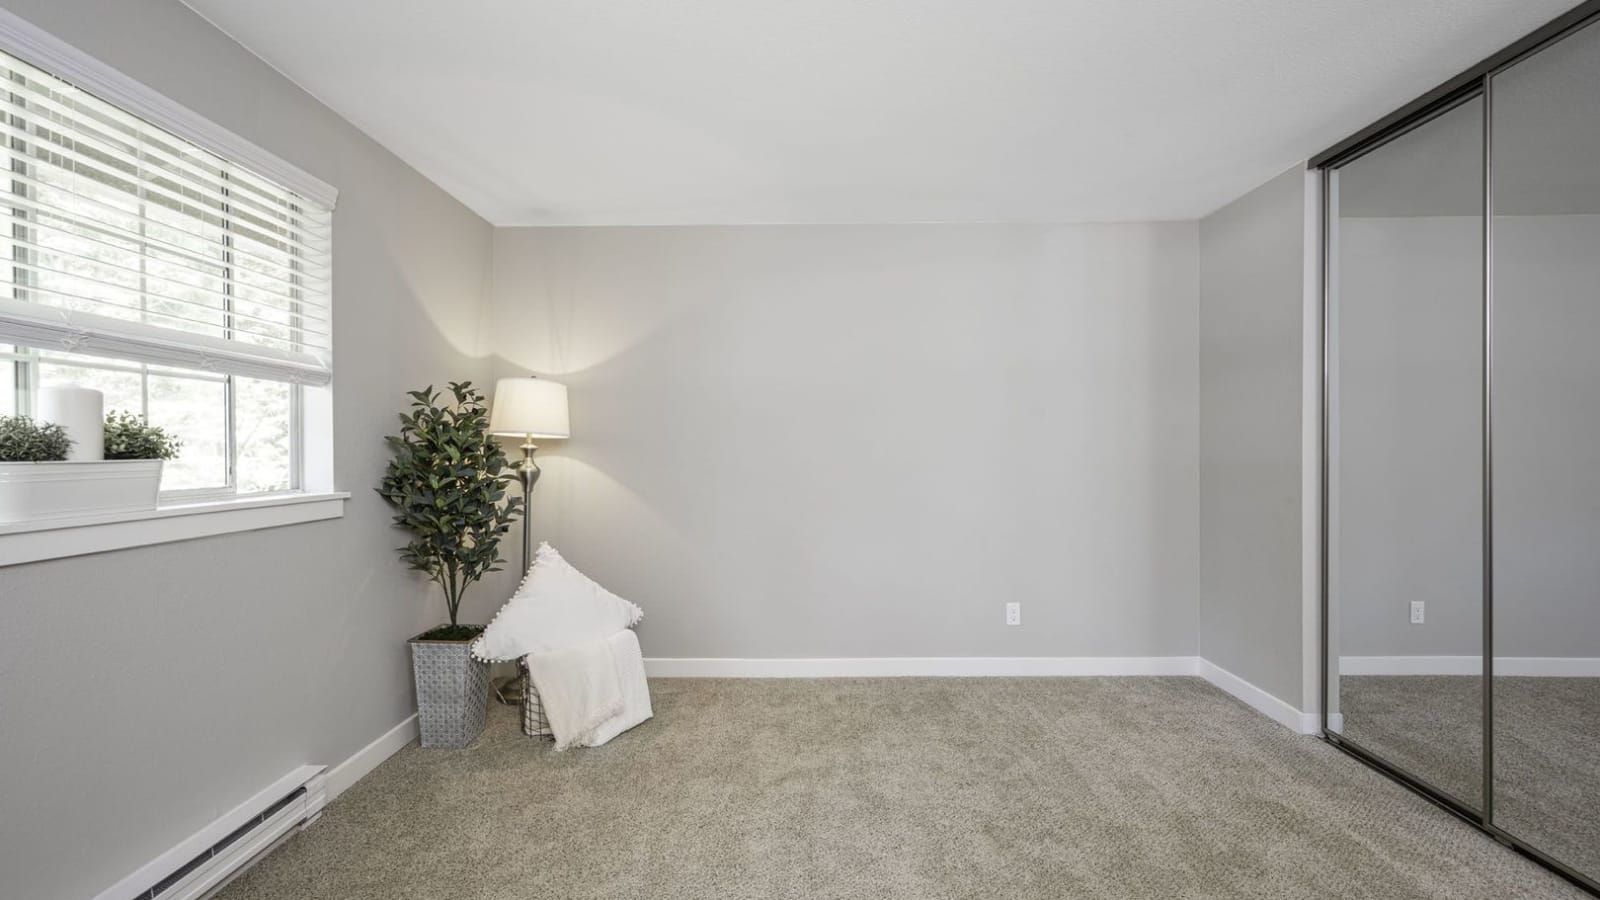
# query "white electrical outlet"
(1416, 612)
(1013, 613)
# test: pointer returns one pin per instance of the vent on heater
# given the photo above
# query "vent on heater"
(210, 859)
(163, 888)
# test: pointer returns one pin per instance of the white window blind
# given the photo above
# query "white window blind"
(129, 242)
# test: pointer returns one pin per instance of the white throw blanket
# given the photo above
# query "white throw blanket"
(579, 688)
(635, 688)
(578, 693)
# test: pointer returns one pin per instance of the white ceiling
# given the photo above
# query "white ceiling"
(544, 112)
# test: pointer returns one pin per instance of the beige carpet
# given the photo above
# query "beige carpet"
(897, 788)
(1428, 725)
(1547, 748)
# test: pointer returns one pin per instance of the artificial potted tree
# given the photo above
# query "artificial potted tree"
(448, 486)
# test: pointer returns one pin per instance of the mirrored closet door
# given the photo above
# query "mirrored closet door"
(1461, 445)
(1546, 439)
(1406, 461)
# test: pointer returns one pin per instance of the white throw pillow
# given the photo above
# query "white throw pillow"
(555, 607)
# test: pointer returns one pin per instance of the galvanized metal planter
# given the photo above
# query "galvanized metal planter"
(452, 692)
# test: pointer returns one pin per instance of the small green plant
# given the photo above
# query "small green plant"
(447, 483)
(130, 437)
(24, 440)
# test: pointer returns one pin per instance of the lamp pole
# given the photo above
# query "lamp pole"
(529, 472)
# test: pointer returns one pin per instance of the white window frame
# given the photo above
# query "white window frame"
(181, 516)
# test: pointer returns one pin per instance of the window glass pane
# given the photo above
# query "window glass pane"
(119, 382)
(10, 251)
(262, 422)
(267, 305)
(78, 266)
(195, 411)
(8, 382)
(186, 275)
(191, 406)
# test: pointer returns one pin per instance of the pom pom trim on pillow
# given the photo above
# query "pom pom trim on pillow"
(562, 596)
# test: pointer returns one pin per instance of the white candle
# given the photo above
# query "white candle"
(81, 413)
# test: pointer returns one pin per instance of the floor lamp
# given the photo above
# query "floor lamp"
(529, 408)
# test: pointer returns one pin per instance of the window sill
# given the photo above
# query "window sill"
(22, 542)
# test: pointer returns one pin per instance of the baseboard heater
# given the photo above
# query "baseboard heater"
(217, 854)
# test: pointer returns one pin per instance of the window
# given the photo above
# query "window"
(187, 288)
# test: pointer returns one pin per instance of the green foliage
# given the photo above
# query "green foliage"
(129, 437)
(24, 440)
(447, 484)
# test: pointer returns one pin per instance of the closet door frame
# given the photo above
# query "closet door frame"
(1470, 84)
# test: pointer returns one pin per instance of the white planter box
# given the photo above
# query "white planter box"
(33, 491)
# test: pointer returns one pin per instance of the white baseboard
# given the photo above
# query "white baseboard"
(1548, 666)
(1277, 710)
(919, 666)
(352, 770)
(987, 666)
(1410, 665)
(1526, 666)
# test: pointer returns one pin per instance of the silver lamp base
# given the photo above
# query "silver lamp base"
(529, 473)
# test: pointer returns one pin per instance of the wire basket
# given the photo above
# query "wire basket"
(534, 723)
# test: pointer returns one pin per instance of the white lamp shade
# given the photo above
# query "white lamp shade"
(530, 406)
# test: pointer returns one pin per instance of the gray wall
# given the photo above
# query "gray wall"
(1252, 294)
(862, 441)
(1547, 436)
(1407, 469)
(146, 691)
(1408, 454)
